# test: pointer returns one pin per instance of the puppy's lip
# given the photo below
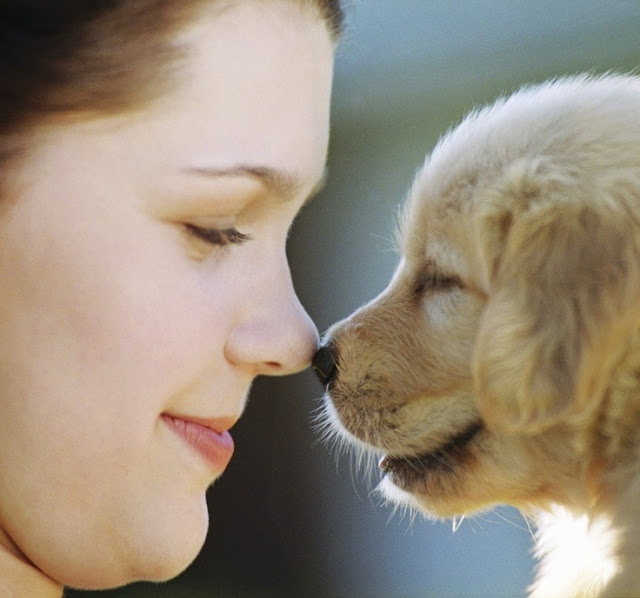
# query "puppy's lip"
(442, 458)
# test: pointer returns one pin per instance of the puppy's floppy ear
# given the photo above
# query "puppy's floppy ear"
(564, 269)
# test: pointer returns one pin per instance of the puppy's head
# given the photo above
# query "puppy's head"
(475, 373)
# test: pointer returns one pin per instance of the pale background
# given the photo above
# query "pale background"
(288, 518)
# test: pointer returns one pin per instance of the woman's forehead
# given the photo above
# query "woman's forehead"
(235, 105)
(257, 90)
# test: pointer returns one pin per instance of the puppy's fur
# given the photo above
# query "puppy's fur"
(502, 363)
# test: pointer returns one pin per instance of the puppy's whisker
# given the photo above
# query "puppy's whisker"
(413, 515)
(363, 458)
(512, 519)
(456, 522)
(529, 523)
(390, 242)
(474, 525)
(400, 509)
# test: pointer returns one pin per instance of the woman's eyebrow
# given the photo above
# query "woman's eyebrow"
(283, 184)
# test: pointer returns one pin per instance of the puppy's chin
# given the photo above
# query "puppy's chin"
(430, 507)
(396, 496)
(433, 482)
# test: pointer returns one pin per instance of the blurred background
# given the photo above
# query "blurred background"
(290, 517)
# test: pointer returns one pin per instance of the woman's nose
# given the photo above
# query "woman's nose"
(276, 338)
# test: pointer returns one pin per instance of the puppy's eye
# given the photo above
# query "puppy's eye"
(429, 281)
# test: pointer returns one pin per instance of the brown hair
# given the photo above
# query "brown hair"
(93, 56)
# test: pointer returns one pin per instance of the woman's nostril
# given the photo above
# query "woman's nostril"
(324, 364)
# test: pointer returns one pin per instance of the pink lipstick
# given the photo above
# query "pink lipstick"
(210, 438)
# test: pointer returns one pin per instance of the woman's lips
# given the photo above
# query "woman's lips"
(209, 438)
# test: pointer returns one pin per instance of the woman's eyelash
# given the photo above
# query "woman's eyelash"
(218, 237)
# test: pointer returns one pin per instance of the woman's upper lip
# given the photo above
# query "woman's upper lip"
(217, 424)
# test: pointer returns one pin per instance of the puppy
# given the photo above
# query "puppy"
(501, 365)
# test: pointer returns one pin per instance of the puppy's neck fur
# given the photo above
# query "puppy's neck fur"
(561, 537)
(594, 550)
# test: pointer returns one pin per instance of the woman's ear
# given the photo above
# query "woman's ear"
(564, 271)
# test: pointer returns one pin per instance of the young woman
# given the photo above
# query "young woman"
(152, 159)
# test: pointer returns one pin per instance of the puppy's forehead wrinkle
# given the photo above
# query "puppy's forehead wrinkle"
(550, 122)
(516, 134)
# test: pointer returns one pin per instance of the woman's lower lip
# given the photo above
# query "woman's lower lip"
(215, 447)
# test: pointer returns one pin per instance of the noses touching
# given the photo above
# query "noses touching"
(325, 364)
(276, 338)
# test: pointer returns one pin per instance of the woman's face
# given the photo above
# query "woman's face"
(144, 285)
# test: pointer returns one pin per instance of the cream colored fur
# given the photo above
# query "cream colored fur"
(502, 363)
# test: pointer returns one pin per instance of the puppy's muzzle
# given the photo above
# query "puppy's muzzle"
(324, 364)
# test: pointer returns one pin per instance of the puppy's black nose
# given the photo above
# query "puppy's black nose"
(324, 363)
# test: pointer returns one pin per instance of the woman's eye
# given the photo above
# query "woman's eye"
(215, 236)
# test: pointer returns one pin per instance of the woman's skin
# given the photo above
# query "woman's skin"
(117, 312)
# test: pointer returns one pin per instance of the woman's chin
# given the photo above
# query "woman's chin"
(155, 552)
(171, 563)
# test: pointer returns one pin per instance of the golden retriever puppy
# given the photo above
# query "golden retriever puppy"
(502, 363)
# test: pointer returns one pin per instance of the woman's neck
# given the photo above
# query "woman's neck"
(20, 578)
